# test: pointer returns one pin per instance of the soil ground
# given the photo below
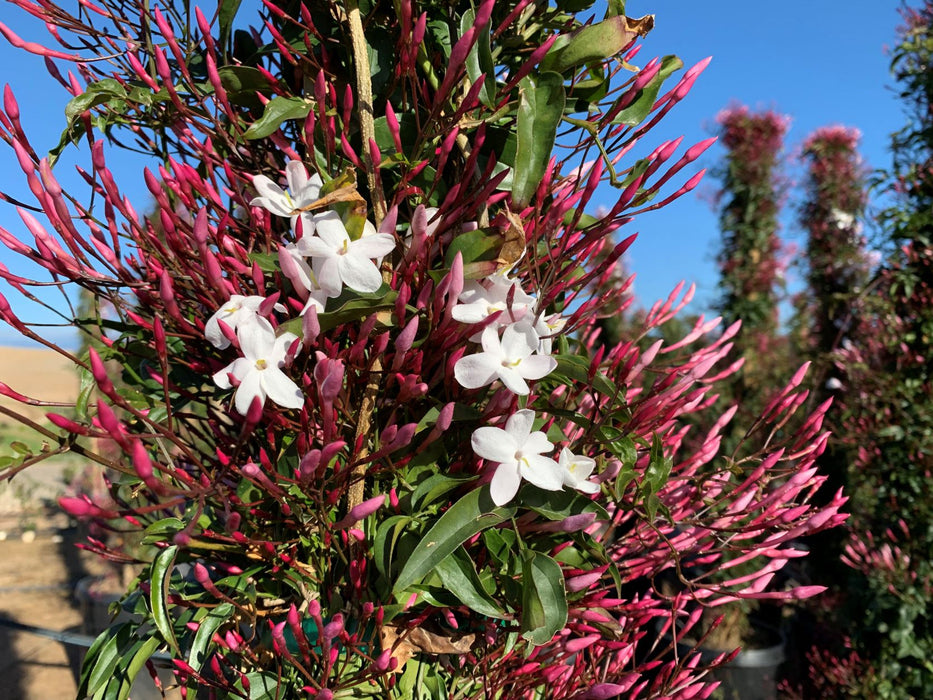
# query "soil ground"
(36, 583)
(39, 563)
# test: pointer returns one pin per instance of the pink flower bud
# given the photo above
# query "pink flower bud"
(334, 627)
(363, 510)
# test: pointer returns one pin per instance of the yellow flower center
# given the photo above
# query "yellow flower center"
(261, 364)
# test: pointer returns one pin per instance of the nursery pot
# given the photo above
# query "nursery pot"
(753, 674)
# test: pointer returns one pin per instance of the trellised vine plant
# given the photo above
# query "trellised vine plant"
(365, 415)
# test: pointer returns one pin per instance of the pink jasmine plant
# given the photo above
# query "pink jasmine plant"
(348, 537)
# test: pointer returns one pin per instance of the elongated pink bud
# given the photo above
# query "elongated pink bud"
(584, 581)
(67, 424)
(34, 48)
(83, 508)
(574, 646)
(363, 510)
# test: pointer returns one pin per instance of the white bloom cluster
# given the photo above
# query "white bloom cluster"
(319, 264)
(258, 373)
(516, 347)
(516, 339)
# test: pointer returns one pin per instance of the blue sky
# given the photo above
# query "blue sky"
(821, 62)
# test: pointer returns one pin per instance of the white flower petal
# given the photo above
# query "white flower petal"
(373, 246)
(360, 274)
(256, 339)
(329, 227)
(474, 371)
(327, 272)
(494, 444)
(213, 333)
(537, 443)
(250, 388)
(513, 380)
(543, 472)
(504, 484)
(280, 348)
(473, 312)
(519, 425)
(271, 197)
(222, 378)
(317, 299)
(281, 389)
(537, 366)
(518, 341)
(296, 176)
(490, 342)
(585, 486)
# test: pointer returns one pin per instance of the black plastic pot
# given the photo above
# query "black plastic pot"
(753, 674)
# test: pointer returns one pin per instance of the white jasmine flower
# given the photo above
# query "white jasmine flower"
(239, 311)
(842, 219)
(509, 360)
(544, 327)
(833, 384)
(519, 452)
(480, 300)
(576, 469)
(302, 190)
(302, 276)
(337, 260)
(259, 371)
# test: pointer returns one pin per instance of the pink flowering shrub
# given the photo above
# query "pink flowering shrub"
(886, 405)
(837, 266)
(750, 262)
(750, 199)
(366, 417)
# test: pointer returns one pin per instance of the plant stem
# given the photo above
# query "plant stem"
(364, 90)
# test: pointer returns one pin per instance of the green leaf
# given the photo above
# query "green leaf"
(242, 84)
(121, 683)
(349, 306)
(162, 530)
(277, 111)
(479, 245)
(435, 486)
(559, 505)
(577, 368)
(88, 384)
(263, 686)
(659, 465)
(499, 544)
(96, 94)
(460, 578)
(593, 43)
(20, 447)
(72, 134)
(102, 659)
(226, 12)
(471, 514)
(161, 573)
(408, 132)
(479, 64)
(387, 534)
(544, 599)
(268, 262)
(540, 107)
(197, 655)
(640, 107)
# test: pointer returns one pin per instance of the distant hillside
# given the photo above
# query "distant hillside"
(39, 374)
